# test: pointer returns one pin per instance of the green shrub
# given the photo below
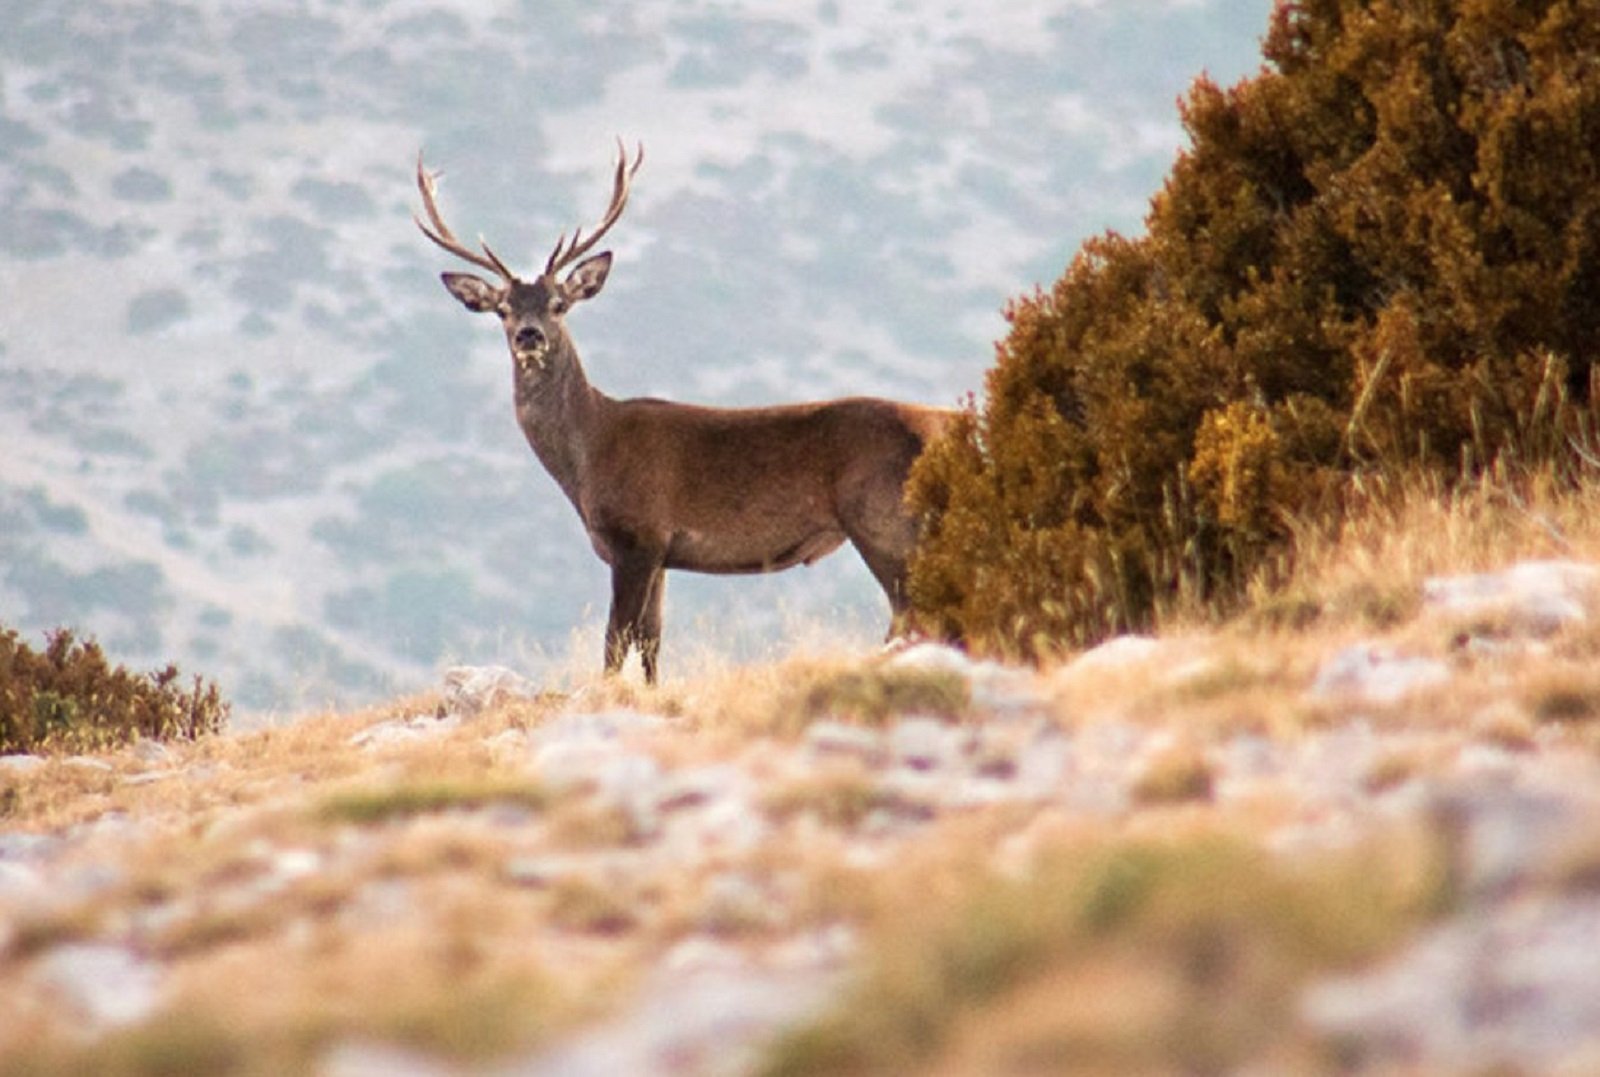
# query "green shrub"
(1380, 255)
(69, 698)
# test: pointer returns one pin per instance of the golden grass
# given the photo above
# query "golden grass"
(1367, 571)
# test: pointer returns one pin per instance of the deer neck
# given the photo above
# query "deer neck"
(557, 409)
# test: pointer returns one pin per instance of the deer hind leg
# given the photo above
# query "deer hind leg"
(890, 572)
(884, 534)
(636, 593)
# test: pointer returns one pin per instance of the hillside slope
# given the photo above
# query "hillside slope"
(1348, 833)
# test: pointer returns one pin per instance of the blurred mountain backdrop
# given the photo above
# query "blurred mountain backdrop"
(243, 427)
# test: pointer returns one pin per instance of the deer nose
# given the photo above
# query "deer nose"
(529, 338)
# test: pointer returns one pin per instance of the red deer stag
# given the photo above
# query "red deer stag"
(660, 485)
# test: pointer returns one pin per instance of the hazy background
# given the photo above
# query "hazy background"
(243, 427)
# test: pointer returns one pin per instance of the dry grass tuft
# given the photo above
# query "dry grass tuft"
(783, 698)
(591, 907)
(1366, 573)
(841, 796)
(1112, 958)
(405, 800)
(1176, 777)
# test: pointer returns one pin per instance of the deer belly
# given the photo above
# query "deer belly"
(742, 554)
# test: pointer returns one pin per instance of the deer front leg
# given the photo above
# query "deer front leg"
(649, 636)
(636, 592)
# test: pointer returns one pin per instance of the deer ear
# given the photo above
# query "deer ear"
(588, 278)
(475, 293)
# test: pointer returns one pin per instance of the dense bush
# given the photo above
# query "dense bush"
(69, 698)
(1380, 254)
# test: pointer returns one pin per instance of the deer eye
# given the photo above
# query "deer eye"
(503, 309)
(558, 306)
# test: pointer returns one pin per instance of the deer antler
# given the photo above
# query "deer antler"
(568, 252)
(440, 232)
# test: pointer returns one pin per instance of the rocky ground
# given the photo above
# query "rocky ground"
(716, 877)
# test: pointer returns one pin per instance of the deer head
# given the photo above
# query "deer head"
(531, 312)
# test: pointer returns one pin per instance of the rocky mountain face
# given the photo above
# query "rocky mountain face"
(245, 429)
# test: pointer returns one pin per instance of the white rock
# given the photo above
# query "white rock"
(695, 787)
(924, 743)
(1043, 765)
(1119, 652)
(20, 846)
(609, 770)
(733, 902)
(20, 881)
(708, 1021)
(595, 726)
(700, 953)
(151, 751)
(20, 764)
(295, 864)
(88, 762)
(409, 728)
(825, 948)
(470, 690)
(103, 985)
(1375, 674)
(1516, 987)
(994, 687)
(1503, 839)
(150, 776)
(1539, 596)
(933, 658)
(726, 825)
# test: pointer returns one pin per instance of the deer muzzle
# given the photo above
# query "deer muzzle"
(530, 345)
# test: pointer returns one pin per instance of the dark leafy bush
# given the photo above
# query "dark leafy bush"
(69, 698)
(1379, 255)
